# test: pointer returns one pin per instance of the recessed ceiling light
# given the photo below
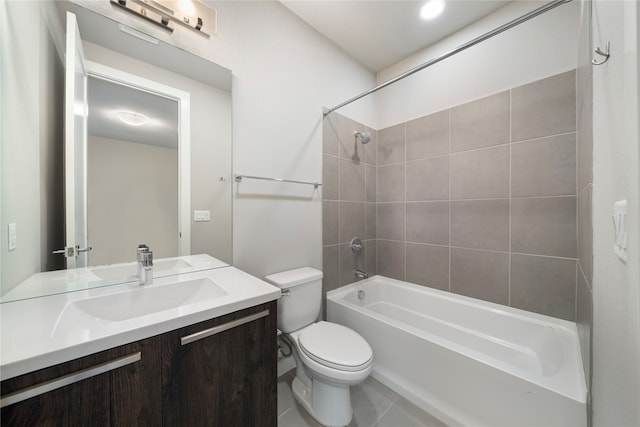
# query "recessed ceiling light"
(132, 118)
(432, 9)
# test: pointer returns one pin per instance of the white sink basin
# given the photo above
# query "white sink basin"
(129, 271)
(135, 303)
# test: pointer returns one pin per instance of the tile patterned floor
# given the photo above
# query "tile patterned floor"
(374, 405)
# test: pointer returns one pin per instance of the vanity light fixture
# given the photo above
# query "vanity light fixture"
(155, 11)
(137, 34)
(432, 9)
(187, 7)
(132, 118)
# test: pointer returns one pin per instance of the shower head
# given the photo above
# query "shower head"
(365, 137)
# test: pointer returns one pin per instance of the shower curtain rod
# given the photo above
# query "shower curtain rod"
(539, 11)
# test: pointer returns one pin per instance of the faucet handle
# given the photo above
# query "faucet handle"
(142, 248)
(356, 246)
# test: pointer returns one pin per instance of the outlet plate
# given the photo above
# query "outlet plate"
(200, 216)
(620, 229)
(12, 236)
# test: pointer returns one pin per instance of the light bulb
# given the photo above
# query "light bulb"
(432, 9)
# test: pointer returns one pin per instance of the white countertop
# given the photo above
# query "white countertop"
(34, 334)
(62, 281)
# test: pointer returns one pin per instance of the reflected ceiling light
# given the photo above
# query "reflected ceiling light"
(432, 9)
(132, 118)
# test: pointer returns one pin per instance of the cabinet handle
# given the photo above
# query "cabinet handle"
(221, 328)
(66, 380)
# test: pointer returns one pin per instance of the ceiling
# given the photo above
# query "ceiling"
(379, 33)
(106, 97)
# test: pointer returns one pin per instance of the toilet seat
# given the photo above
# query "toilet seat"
(335, 346)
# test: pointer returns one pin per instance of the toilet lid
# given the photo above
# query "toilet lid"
(335, 346)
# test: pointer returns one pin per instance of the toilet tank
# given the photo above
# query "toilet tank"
(300, 303)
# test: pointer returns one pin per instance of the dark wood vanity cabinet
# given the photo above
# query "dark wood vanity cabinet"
(117, 387)
(221, 372)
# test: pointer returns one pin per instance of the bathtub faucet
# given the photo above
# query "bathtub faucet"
(360, 274)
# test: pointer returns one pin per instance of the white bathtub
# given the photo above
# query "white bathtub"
(467, 361)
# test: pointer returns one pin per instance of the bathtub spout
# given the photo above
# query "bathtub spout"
(359, 274)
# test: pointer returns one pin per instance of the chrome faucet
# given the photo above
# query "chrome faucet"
(359, 274)
(145, 265)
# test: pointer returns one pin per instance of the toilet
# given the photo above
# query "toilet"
(329, 357)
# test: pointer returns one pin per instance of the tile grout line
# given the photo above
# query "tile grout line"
(558, 257)
(449, 189)
(339, 120)
(565, 196)
(510, 189)
(489, 147)
(374, 227)
(393, 403)
(285, 412)
(578, 216)
(404, 276)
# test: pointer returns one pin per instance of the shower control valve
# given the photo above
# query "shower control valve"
(356, 246)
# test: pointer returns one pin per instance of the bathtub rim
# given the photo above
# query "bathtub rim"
(578, 392)
(495, 307)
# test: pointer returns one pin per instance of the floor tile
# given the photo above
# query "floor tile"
(285, 395)
(370, 400)
(297, 417)
(374, 405)
(405, 414)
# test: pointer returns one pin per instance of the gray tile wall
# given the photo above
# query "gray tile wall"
(479, 199)
(584, 88)
(348, 200)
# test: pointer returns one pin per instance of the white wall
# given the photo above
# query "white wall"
(284, 73)
(211, 137)
(51, 140)
(26, 129)
(541, 47)
(132, 198)
(616, 293)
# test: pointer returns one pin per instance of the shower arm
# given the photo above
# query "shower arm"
(539, 11)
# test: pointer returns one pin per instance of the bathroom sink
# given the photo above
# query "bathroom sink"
(129, 271)
(137, 302)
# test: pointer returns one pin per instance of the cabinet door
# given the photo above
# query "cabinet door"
(81, 402)
(222, 372)
(136, 389)
(113, 387)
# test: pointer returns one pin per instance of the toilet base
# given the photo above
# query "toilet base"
(330, 405)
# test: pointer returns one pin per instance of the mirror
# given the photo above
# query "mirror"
(32, 184)
(140, 128)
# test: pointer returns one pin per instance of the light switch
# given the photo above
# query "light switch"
(12, 236)
(200, 216)
(620, 229)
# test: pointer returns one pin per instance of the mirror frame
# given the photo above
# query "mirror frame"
(183, 99)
